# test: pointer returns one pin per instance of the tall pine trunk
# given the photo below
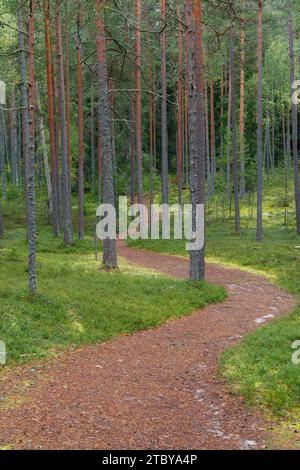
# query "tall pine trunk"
(260, 163)
(179, 113)
(53, 156)
(80, 137)
(234, 142)
(28, 152)
(294, 121)
(44, 147)
(109, 246)
(66, 184)
(164, 108)
(242, 114)
(138, 86)
(196, 126)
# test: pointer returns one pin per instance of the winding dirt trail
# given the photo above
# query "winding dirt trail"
(157, 389)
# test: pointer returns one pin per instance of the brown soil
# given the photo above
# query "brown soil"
(156, 389)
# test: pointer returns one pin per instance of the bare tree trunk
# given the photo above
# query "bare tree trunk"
(228, 169)
(196, 127)
(242, 114)
(2, 154)
(179, 114)
(235, 143)
(207, 144)
(67, 74)
(222, 118)
(164, 108)
(294, 121)
(66, 185)
(151, 98)
(212, 136)
(99, 158)
(14, 139)
(44, 147)
(132, 153)
(80, 137)
(53, 156)
(28, 153)
(109, 246)
(1, 223)
(260, 165)
(138, 86)
(93, 128)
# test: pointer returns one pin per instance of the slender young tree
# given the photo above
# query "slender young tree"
(66, 185)
(2, 154)
(109, 246)
(53, 155)
(234, 142)
(212, 136)
(242, 113)
(80, 134)
(44, 146)
(68, 98)
(28, 152)
(93, 162)
(179, 113)
(260, 163)
(31, 97)
(294, 120)
(14, 139)
(164, 107)
(138, 85)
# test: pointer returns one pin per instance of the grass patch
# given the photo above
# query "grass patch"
(79, 303)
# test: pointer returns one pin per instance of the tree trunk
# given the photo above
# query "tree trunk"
(53, 156)
(196, 127)
(2, 154)
(164, 108)
(260, 165)
(228, 168)
(212, 136)
(207, 144)
(66, 186)
(32, 7)
(179, 114)
(294, 121)
(44, 147)
(28, 152)
(151, 98)
(242, 114)
(234, 142)
(80, 137)
(109, 246)
(93, 163)
(67, 68)
(138, 87)
(14, 139)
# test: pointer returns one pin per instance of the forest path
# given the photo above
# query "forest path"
(156, 389)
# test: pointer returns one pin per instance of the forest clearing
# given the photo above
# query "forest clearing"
(149, 227)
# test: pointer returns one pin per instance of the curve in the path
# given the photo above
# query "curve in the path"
(156, 389)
